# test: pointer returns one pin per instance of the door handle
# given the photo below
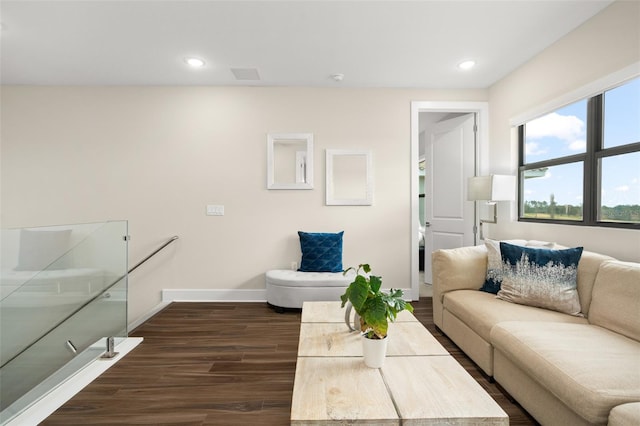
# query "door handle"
(427, 224)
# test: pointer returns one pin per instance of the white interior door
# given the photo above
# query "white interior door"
(450, 161)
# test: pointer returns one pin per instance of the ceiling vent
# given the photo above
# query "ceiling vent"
(245, 73)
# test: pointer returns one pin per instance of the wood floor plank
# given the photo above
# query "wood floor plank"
(218, 364)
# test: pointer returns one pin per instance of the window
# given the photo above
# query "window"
(580, 164)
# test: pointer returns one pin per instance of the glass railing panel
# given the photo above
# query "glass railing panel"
(27, 252)
(78, 299)
(91, 257)
(51, 360)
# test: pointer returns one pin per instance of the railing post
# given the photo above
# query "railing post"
(110, 353)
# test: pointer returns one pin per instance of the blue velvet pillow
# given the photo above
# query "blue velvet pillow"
(541, 277)
(321, 252)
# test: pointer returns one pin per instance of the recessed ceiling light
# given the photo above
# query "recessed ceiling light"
(194, 62)
(466, 65)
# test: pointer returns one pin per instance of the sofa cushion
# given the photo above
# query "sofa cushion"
(625, 415)
(616, 298)
(481, 311)
(589, 368)
(587, 270)
(289, 278)
(541, 277)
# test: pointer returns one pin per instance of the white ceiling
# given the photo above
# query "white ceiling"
(414, 44)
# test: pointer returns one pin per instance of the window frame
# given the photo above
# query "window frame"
(591, 186)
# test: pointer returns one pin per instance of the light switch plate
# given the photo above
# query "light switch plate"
(215, 210)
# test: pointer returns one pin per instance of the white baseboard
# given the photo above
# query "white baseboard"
(200, 295)
(160, 306)
(213, 295)
(218, 295)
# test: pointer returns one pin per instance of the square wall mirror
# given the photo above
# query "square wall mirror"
(290, 161)
(349, 177)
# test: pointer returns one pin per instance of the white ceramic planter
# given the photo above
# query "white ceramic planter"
(374, 351)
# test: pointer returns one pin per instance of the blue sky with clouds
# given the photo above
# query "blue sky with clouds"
(563, 132)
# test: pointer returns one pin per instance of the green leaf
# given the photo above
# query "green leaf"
(375, 307)
(376, 316)
(369, 334)
(358, 292)
(395, 293)
(345, 296)
(376, 283)
(347, 270)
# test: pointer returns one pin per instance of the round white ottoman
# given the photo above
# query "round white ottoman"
(289, 289)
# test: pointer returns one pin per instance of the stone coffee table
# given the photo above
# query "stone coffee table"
(419, 384)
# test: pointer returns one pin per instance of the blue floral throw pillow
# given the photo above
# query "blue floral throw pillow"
(321, 252)
(493, 280)
(541, 277)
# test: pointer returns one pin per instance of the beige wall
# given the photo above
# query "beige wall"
(157, 156)
(603, 45)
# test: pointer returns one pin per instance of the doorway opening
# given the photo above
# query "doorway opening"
(442, 157)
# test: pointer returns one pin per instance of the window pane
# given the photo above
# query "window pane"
(558, 134)
(553, 192)
(620, 188)
(622, 115)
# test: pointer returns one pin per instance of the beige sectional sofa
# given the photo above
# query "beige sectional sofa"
(563, 369)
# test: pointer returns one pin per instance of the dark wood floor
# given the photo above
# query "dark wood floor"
(217, 363)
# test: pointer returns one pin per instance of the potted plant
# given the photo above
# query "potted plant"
(375, 309)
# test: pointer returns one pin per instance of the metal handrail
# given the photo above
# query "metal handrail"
(97, 296)
(172, 239)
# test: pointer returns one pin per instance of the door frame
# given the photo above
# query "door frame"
(481, 165)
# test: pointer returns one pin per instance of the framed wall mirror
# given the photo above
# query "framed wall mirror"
(349, 177)
(290, 161)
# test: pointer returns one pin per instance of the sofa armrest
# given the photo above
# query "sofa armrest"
(456, 269)
(459, 269)
(625, 415)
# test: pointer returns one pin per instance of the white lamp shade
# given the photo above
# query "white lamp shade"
(491, 188)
